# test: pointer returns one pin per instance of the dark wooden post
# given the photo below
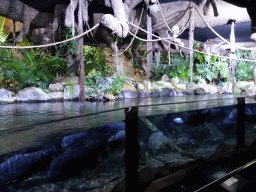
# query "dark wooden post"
(14, 31)
(240, 126)
(233, 56)
(191, 44)
(149, 46)
(131, 148)
(80, 54)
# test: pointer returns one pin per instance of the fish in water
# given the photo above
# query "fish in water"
(178, 120)
(21, 166)
(75, 160)
(119, 136)
(75, 139)
(197, 118)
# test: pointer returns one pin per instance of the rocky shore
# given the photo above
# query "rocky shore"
(67, 89)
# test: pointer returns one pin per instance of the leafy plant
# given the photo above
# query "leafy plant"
(70, 46)
(72, 87)
(198, 57)
(203, 70)
(221, 66)
(17, 73)
(56, 66)
(3, 35)
(94, 58)
(115, 86)
(180, 67)
(244, 70)
(94, 80)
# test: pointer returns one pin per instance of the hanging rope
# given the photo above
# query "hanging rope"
(167, 40)
(184, 27)
(50, 44)
(222, 38)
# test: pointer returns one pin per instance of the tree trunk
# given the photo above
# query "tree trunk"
(232, 55)
(149, 46)
(119, 13)
(80, 55)
(191, 44)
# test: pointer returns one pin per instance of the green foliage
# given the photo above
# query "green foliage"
(202, 70)
(115, 86)
(94, 58)
(17, 73)
(3, 35)
(56, 66)
(198, 57)
(244, 70)
(70, 46)
(221, 66)
(95, 80)
(72, 87)
(180, 67)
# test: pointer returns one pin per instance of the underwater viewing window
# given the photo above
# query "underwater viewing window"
(154, 144)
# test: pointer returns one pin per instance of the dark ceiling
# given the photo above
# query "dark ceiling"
(44, 5)
(242, 30)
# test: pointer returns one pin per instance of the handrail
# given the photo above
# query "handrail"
(226, 176)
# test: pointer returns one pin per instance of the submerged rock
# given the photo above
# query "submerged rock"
(157, 141)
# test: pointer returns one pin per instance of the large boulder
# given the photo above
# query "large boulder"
(6, 96)
(56, 87)
(58, 95)
(32, 94)
(199, 91)
(252, 91)
(227, 88)
(65, 80)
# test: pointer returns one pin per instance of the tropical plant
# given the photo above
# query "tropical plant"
(94, 58)
(244, 70)
(202, 70)
(56, 66)
(180, 67)
(115, 85)
(70, 46)
(3, 35)
(18, 73)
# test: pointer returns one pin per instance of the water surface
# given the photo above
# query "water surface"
(26, 124)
